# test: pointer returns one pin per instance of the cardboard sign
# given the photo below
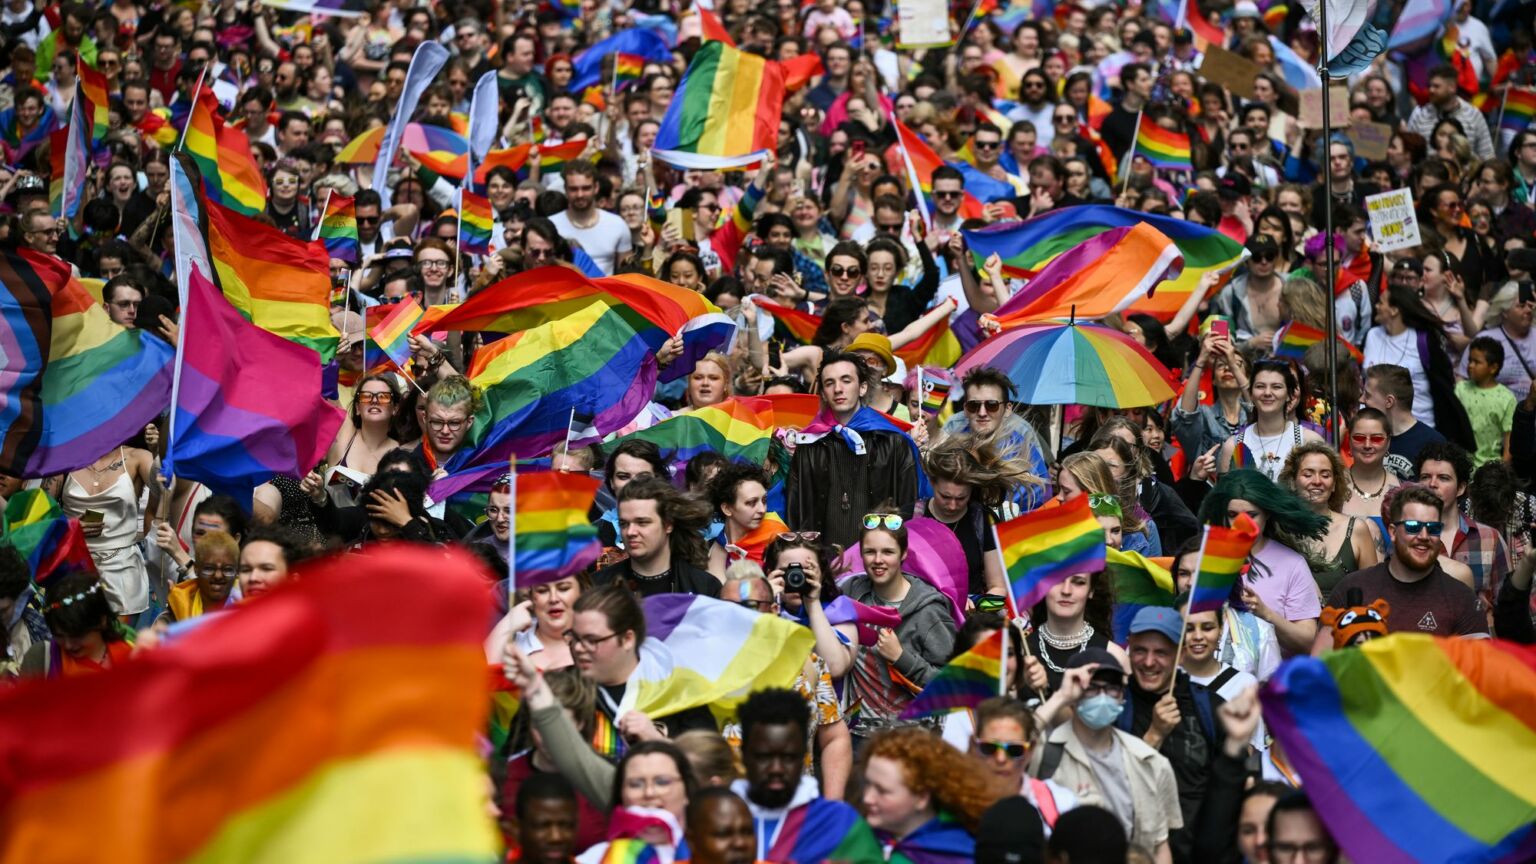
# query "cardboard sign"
(1393, 223)
(1232, 71)
(924, 23)
(1371, 140)
(1312, 108)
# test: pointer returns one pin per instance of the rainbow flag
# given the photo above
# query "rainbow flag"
(1138, 582)
(1106, 273)
(627, 69)
(1519, 109)
(338, 229)
(552, 159)
(363, 149)
(261, 752)
(635, 41)
(624, 851)
(48, 540)
(1205, 33)
(21, 145)
(963, 682)
(725, 113)
(740, 429)
(936, 346)
(514, 158)
(921, 161)
(711, 28)
(801, 326)
(155, 126)
(92, 93)
(389, 341)
(281, 284)
(476, 223)
(1413, 748)
(552, 538)
(1163, 148)
(1296, 338)
(223, 157)
(1043, 547)
(237, 425)
(1223, 554)
(75, 384)
(935, 386)
(1026, 247)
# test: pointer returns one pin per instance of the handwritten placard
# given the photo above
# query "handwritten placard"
(1312, 108)
(1232, 71)
(1393, 223)
(1371, 140)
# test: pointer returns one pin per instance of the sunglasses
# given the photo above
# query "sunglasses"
(946, 194)
(889, 521)
(974, 406)
(375, 398)
(990, 749)
(793, 536)
(1414, 527)
(1377, 439)
(1266, 257)
(1065, 118)
(845, 272)
(988, 145)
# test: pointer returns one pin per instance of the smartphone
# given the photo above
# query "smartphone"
(92, 517)
(1222, 328)
(683, 218)
(774, 354)
(858, 150)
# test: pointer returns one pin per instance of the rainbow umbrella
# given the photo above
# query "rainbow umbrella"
(1056, 363)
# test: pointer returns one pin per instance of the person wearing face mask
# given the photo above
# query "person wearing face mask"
(1105, 766)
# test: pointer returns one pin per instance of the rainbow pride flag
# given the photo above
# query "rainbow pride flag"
(1026, 247)
(338, 229)
(963, 682)
(627, 69)
(364, 149)
(476, 223)
(279, 283)
(552, 537)
(1296, 338)
(48, 540)
(921, 161)
(740, 429)
(1223, 554)
(223, 157)
(1106, 273)
(936, 346)
(725, 113)
(92, 92)
(935, 386)
(1519, 109)
(1138, 582)
(626, 851)
(801, 326)
(262, 751)
(552, 159)
(75, 384)
(389, 341)
(1043, 547)
(1413, 748)
(1163, 148)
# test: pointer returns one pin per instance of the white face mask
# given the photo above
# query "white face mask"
(1099, 710)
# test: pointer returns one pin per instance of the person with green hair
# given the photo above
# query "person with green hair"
(449, 412)
(1278, 585)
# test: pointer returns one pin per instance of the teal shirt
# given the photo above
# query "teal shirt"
(1492, 412)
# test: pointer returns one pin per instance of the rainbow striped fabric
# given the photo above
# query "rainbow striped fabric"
(1040, 549)
(934, 384)
(281, 284)
(1138, 582)
(363, 149)
(223, 157)
(93, 95)
(48, 540)
(389, 341)
(1164, 148)
(936, 346)
(1104, 274)
(332, 691)
(801, 326)
(626, 70)
(338, 229)
(1025, 247)
(963, 682)
(1519, 109)
(740, 429)
(624, 851)
(1413, 748)
(1223, 556)
(476, 223)
(552, 159)
(725, 113)
(75, 384)
(1295, 338)
(552, 538)
(921, 161)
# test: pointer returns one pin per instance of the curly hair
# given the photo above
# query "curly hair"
(964, 460)
(928, 765)
(1339, 493)
(1289, 519)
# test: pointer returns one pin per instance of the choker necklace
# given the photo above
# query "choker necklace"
(1362, 492)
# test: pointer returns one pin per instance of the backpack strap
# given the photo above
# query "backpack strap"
(1051, 759)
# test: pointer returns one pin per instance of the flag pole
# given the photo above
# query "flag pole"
(512, 531)
(458, 237)
(568, 424)
(320, 223)
(1194, 582)
(1002, 665)
(1130, 157)
(1332, 351)
(1010, 612)
(1503, 103)
(197, 92)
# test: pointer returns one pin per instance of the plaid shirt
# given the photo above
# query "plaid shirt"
(1482, 549)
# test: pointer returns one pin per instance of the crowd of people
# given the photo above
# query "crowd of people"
(1391, 492)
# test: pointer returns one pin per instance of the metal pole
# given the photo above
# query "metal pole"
(1332, 351)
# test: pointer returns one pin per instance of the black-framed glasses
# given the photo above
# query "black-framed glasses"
(1414, 527)
(947, 193)
(210, 570)
(573, 640)
(845, 272)
(988, 145)
(888, 521)
(450, 425)
(1012, 749)
(1265, 257)
(976, 406)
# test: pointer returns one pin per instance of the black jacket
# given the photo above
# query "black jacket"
(684, 579)
(830, 489)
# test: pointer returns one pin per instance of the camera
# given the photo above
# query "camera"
(794, 580)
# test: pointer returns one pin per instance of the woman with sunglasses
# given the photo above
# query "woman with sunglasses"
(1275, 393)
(1475, 258)
(1251, 301)
(916, 648)
(360, 443)
(1316, 473)
(1370, 440)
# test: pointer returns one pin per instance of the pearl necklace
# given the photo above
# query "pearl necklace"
(1068, 643)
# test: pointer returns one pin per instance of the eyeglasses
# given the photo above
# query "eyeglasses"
(590, 643)
(1097, 688)
(662, 784)
(537, 254)
(450, 425)
(126, 304)
(375, 398)
(976, 406)
(1377, 438)
(433, 264)
(1413, 527)
(367, 220)
(1265, 257)
(1065, 118)
(793, 536)
(845, 272)
(889, 521)
(1013, 750)
(947, 193)
(987, 145)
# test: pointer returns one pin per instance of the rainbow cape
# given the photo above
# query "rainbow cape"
(825, 830)
(48, 540)
(75, 385)
(1040, 549)
(338, 229)
(940, 840)
(223, 157)
(261, 751)
(1163, 148)
(552, 537)
(476, 222)
(1296, 338)
(1223, 552)
(725, 113)
(963, 682)
(389, 341)
(1413, 748)
(1025, 247)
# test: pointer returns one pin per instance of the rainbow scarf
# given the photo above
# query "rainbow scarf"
(824, 830)
(865, 420)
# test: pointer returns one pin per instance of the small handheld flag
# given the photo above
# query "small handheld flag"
(338, 228)
(1223, 551)
(964, 682)
(552, 538)
(476, 223)
(1040, 549)
(389, 341)
(1164, 148)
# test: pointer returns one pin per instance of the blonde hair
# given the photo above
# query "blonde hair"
(713, 760)
(1306, 302)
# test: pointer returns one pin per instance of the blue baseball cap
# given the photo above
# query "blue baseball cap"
(1159, 619)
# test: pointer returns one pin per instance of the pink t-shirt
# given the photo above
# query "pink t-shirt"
(1282, 579)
